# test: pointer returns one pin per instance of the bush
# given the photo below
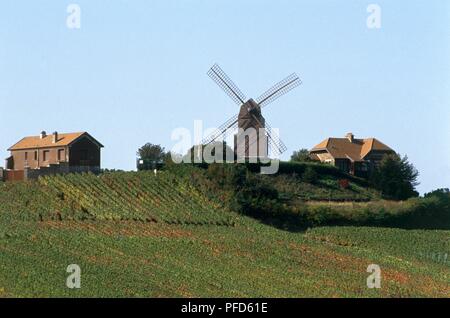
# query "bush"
(322, 169)
(230, 176)
(310, 175)
(237, 175)
(415, 213)
(431, 212)
(256, 197)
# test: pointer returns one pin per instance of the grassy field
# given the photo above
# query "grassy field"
(137, 235)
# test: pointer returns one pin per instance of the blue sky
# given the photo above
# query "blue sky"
(136, 70)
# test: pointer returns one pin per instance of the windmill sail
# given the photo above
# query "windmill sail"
(224, 82)
(224, 129)
(276, 145)
(279, 90)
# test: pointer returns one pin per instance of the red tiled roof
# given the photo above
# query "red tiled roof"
(341, 148)
(33, 142)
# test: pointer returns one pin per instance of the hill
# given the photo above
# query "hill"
(141, 235)
(291, 201)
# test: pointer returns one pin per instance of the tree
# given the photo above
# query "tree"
(208, 153)
(439, 193)
(301, 155)
(151, 152)
(395, 177)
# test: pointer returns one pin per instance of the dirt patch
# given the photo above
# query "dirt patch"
(300, 247)
(330, 240)
(395, 276)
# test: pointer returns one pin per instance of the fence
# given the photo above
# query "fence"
(14, 175)
(29, 174)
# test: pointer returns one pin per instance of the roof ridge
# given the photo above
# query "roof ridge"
(35, 142)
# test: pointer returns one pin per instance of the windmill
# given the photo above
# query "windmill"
(250, 116)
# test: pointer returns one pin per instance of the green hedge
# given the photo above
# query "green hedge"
(416, 213)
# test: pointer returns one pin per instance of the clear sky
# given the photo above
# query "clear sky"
(136, 70)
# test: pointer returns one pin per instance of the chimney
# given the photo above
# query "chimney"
(350, 137)
(43, 134)
(55, 137)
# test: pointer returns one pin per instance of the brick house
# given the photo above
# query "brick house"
(351, 155)
(55, 153)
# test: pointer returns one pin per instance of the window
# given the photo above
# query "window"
(61, 155)
(46, 155)
(35, 155)
(26, 156)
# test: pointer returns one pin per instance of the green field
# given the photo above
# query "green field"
(140, 235)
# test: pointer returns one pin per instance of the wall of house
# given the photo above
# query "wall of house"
(325, 157)
(34, 158)
(84, 153)
(375, 156)
(362, 169)
(343, 165)
(9, 163)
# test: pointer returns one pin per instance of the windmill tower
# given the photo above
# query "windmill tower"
(255, 137)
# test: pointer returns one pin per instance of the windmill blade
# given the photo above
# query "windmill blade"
(276, 146)
(275, 143)
(279, 90)
(224, 82)
(274, 140)
(223, 130)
